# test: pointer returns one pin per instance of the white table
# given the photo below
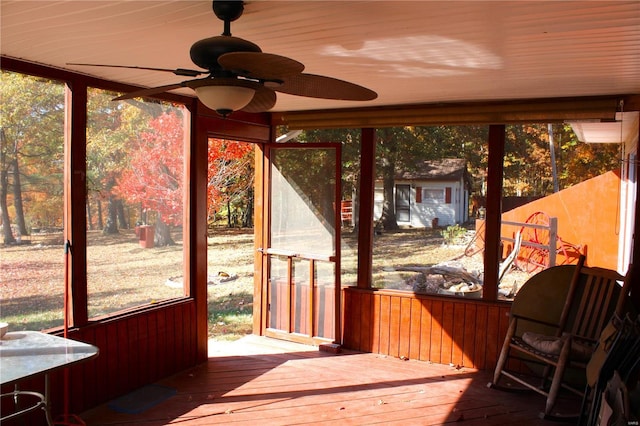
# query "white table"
(26, 354)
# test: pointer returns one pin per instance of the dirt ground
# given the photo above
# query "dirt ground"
(122, 274)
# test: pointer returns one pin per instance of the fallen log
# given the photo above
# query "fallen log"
(448, 272)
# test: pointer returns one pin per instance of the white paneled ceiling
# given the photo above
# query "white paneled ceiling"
(408, 52)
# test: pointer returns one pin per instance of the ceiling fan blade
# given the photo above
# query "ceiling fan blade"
(263, 66)
(318, 86)
(262, 101)
(179, 71)
(148, 92)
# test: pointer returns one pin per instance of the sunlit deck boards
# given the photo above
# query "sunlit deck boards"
(258, 380)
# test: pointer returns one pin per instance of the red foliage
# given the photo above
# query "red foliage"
(229, 172)
(155, 176)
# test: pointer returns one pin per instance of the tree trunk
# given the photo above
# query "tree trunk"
(17, 197)
(100, 218)
(122, 218)
(111, 227)
(247, 215)
(89, 214)
(6, 222)
(143, 216)
(162, 235)
(4, 189)
(388, 219)
(448, 272)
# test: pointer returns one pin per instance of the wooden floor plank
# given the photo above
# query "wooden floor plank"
(281, 383)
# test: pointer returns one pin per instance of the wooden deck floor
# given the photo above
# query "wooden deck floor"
(265, 381)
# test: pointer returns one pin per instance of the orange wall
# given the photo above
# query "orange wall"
(588, 215)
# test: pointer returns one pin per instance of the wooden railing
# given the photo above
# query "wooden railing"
(539, 247)
(539, 244)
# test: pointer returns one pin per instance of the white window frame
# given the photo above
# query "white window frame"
(433, 195)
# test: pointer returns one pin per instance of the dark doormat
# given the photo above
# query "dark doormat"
(141, 399)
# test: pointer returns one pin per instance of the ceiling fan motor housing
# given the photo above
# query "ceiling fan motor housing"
(205, 53)
(228, 10)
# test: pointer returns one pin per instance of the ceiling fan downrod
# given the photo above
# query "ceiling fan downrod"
(227, 11)
(205, 53)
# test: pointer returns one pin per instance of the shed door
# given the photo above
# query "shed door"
(301, 261)
(403, 203)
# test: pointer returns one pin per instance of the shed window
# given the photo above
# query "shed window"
(431, 195)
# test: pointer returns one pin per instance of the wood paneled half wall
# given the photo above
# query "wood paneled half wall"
(443, 330)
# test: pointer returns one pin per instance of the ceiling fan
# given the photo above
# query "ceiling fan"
(239, 76)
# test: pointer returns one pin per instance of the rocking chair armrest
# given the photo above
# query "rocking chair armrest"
(515, 317)
(581, 340)
(585, 342)
(581, 348)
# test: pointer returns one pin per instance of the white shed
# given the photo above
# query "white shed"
(433, 189)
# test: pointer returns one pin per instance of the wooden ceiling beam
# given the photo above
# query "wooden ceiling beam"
(601, 108)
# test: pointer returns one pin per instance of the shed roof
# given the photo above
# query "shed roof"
(443, 169)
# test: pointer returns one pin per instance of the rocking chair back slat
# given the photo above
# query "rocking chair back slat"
(573, 286)
(595, 304)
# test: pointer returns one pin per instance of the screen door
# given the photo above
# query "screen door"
(303, 225)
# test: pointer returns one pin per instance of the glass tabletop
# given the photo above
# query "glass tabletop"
(25, 354)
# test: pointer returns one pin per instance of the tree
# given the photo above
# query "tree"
(388, 160)
(473, 147)
(31, 151)
(110, 127)
(230, 179)
(581, 161)
(4, 185)
(154, 178)
(350, 141)
(527, 164)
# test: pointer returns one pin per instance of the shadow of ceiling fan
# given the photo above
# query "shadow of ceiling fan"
(239, 76)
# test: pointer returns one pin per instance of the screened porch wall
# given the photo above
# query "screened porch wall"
(135, 350)
(427, 328)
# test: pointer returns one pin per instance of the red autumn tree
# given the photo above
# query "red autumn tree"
(154, 179)
(230, 179)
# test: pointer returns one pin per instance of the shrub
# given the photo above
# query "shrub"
(453, 234)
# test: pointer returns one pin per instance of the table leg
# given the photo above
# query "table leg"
(47, 401)
(40, 404)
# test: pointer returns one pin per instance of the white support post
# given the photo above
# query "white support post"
(553, 240)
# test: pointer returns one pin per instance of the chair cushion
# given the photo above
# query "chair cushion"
(552, 345)
(547, 344)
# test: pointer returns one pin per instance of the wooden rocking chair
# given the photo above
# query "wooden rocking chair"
(555, 322)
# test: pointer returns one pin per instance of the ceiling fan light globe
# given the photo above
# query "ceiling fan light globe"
(225, 99)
